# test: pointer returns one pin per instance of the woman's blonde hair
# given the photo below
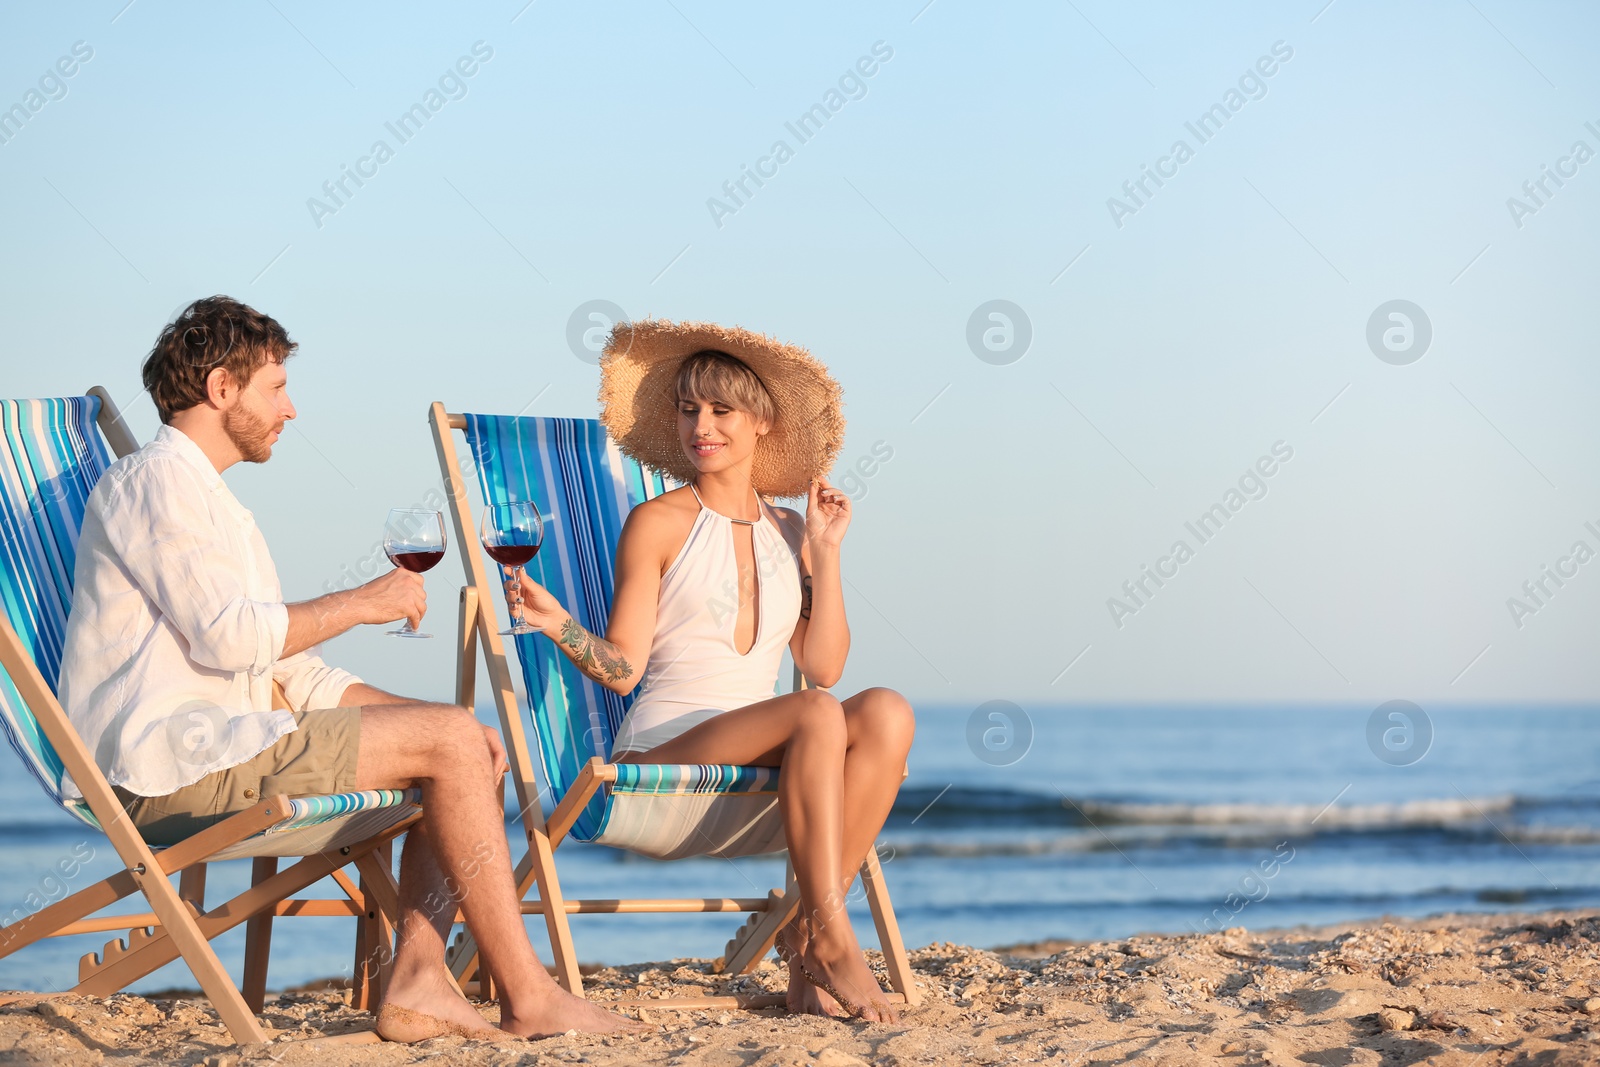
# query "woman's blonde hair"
(716, 377)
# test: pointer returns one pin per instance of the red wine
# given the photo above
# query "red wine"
(417, 560)
(511, 555)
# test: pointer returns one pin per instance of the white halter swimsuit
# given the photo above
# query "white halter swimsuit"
(694, 671)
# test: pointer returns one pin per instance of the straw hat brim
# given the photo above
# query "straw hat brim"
(639, 403)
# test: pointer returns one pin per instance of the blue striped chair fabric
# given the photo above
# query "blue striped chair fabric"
(51, 456)
(584, 488)
(327, 821)
(664, 778)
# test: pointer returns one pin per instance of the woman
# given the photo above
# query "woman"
(712, 583)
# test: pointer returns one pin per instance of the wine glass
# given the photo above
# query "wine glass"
(512, 534)
(413, 539)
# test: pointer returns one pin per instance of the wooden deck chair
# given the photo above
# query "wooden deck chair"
(585, 487)
(51, 455)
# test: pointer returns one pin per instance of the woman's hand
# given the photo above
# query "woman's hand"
(827, 514)
(537, 606)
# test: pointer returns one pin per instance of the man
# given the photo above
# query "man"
(178, 631)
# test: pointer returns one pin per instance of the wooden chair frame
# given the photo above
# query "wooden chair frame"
(770, 914)
(178, 924)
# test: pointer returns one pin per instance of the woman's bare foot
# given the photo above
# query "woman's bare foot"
(803, 998)
(833, 959)
(555, 1011)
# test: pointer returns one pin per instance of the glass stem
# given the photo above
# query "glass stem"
(516, 576)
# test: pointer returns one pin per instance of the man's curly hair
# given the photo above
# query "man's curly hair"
(213, 332)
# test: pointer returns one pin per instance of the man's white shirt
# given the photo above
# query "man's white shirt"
(177, 626)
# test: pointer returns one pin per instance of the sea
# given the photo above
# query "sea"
(1022, 823)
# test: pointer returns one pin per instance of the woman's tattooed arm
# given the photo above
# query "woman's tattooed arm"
(595, 656)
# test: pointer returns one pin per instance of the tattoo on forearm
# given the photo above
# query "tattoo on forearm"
(594, 654)
(805, 597)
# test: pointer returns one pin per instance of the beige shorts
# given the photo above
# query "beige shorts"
(319, 756)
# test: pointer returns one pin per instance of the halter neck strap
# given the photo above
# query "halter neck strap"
(730, 518)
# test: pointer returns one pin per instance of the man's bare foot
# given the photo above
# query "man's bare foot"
(841, 969)
(555, 1011)
(803, 998)
(408, 1027)
(436, 999)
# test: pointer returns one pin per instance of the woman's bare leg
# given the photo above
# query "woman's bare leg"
(880, 725)
(808, 735)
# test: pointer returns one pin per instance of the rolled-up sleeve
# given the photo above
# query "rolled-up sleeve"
(309, 683)
(176, 554)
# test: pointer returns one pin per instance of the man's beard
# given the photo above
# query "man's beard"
(250, 433)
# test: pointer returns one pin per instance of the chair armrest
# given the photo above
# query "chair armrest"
(228, 832)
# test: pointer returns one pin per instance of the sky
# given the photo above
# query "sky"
(1340, 277)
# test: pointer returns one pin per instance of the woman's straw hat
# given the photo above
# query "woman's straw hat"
(639, 401)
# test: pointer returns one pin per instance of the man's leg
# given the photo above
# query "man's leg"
(427, 913)
(443, 750)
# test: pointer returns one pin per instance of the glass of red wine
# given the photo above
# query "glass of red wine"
(512, 533)
(413, 539)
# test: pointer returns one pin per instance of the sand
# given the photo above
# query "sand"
(1470, 990)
